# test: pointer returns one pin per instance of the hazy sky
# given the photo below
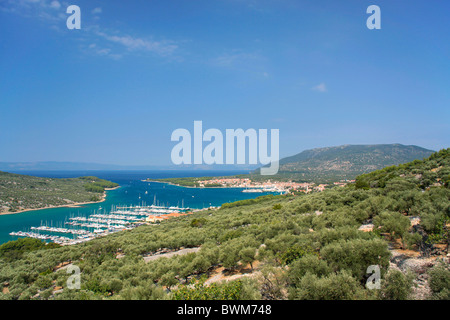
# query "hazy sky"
(113, 91)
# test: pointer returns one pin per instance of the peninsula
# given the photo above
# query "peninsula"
(20, 193)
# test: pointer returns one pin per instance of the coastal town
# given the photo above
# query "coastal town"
(269, 185)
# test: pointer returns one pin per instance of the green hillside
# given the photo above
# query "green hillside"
(21, 192)
(282, 247)
(433, 171)
(345, 162)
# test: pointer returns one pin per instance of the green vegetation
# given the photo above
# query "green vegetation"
(299, 247)
(234, 290)
(15, 249)
(94, 184)
(20, 192)
(418, 174)
(394, 223)
(249, 201)
(335, 286)
(440, 282)
(397, 286)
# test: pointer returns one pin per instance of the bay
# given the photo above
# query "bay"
(132, 192)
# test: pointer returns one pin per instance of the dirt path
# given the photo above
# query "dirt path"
(170, 254)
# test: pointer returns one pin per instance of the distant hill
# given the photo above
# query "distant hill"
(21, 192)
(19, 167)
(63, 166)
(346, 162)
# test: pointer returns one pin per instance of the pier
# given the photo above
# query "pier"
(84, 228)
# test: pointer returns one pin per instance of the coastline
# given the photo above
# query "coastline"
(72, 205)
(172, 184)
(215, 187)
(179, 185)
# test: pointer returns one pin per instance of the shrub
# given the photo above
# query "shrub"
(277, 206)
(308, 264)
(396, 285)
(440, 282)
(356, 255)
(216, 291)
(248, 255)
(393, 223)
(293, 253)
(340, 286)
(198, 222)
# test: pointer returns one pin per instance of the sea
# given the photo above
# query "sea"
(132, 192)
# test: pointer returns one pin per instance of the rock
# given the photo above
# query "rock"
(366, 227)
(414, 220)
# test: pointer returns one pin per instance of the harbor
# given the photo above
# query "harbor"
(78, 229)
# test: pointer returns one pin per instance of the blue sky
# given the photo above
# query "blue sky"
(114, 91)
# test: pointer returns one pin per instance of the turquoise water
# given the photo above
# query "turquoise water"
(131, 192)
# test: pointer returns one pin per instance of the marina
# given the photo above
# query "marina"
(84, 228)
